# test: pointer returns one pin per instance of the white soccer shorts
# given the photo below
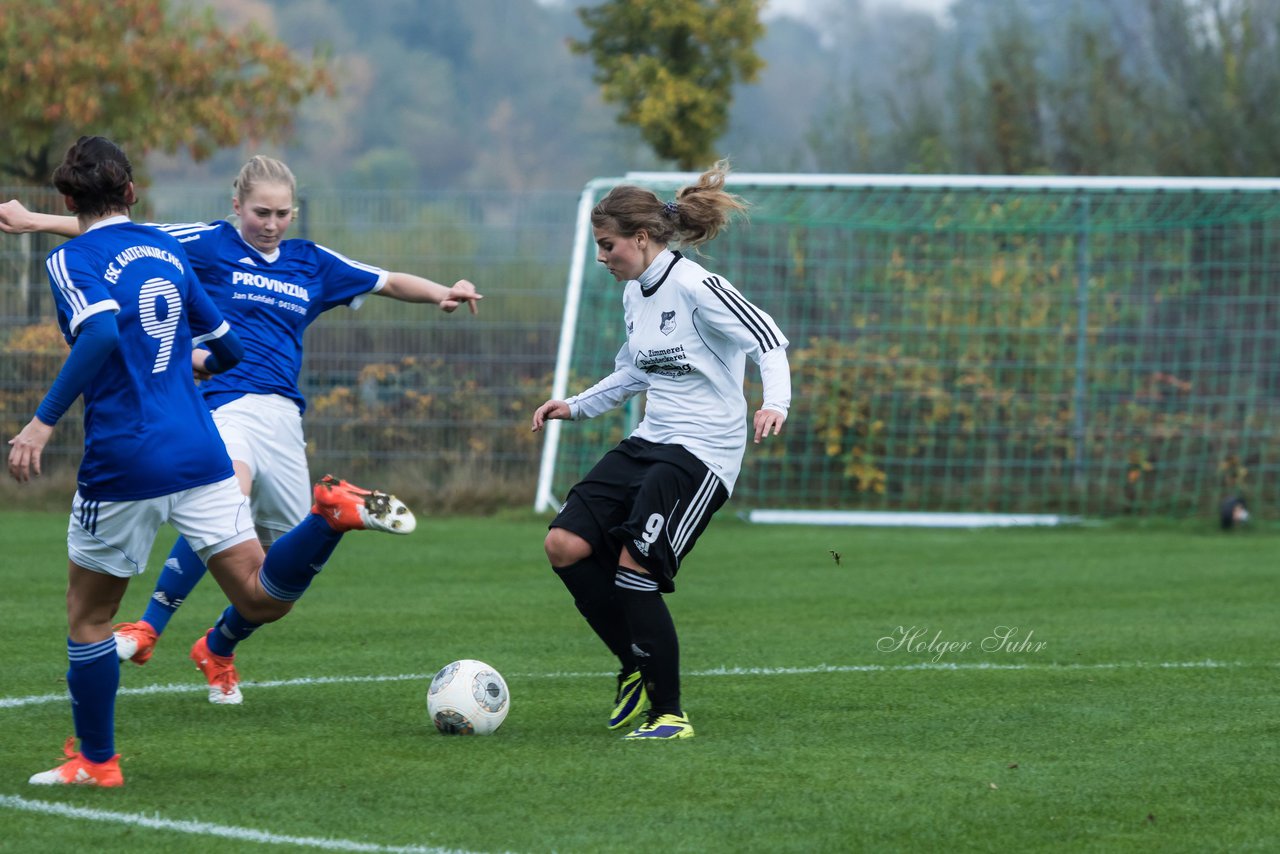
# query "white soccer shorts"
(264, 431)
(115, 537)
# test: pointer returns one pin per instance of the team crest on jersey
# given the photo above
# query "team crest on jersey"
(631, 326)
(668, 324)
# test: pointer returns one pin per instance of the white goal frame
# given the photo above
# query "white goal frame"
(583, 249)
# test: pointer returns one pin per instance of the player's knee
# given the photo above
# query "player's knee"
(564, 547)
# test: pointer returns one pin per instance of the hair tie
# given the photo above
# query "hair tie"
(671, 208)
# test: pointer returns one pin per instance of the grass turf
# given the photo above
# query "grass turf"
(851, 706)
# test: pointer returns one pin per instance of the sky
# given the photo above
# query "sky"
(798, 8)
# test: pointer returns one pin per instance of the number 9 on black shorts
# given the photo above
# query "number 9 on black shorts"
(654, 500)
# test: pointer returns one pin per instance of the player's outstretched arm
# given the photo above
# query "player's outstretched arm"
(407, 287)
(16, 219)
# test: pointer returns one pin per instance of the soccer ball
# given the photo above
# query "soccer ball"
(468, 697)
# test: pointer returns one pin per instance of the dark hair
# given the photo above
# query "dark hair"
(96, 175)
(698, 213)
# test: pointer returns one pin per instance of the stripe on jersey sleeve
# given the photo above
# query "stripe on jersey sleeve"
(359, 265)
(57, 266)
(209, 336)
(750, 316)
(184, 232)
(75, 298)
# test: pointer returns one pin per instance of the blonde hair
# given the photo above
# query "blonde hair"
(262, 170)
(696, 215)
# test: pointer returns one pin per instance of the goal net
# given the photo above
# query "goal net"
(1011, 349)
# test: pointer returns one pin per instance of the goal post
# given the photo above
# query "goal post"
(1024, 350)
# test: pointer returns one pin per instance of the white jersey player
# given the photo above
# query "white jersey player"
(689, 334)
(625, 527)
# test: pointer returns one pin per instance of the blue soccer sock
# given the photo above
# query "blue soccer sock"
(92, 678)
(182, 572)
(296, 558)
(230, 629)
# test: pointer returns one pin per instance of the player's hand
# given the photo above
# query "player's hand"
(768, 421)
(551, 410)
(462, 291)
(14, 218)
(25, 449)
(198, 371)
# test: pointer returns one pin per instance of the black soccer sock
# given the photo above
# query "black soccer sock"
(597, 599)
(657, 649)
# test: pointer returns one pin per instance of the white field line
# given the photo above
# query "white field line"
(245, 834)
(202, 828)
(191, 688)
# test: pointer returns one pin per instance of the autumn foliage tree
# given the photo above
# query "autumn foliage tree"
(147, 75)
(671, 65)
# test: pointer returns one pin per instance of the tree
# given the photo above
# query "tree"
(1215, 81)
(886, 111)
(145, 76)
(671, 64)
(1100, 118)
(1013, 100)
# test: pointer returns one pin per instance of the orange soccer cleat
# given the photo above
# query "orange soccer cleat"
(78, 771)
(135, 641)
(220, 670)
(347, 507)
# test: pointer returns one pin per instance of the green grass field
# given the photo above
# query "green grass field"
(1133, 704)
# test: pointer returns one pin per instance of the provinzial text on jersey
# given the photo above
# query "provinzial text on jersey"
(133, 253)
(265, 283)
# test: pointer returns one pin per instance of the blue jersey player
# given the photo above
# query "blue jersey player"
(270, 289)
(130, 306)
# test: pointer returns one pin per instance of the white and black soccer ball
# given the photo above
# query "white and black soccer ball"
(468, 697)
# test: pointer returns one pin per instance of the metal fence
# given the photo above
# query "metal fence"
(1105, 352)
(436, 405)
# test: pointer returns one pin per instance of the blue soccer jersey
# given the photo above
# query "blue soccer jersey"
(147, 431)
(270, 301)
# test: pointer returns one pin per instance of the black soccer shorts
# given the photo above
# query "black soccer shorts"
(653, 500)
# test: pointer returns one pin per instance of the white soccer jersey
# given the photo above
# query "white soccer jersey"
(688, 335)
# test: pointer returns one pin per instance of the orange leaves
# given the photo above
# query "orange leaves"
(43, 338)
(146, 73)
